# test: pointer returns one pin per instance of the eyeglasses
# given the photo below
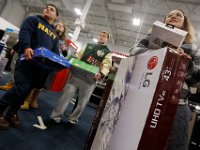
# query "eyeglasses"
(178, 15)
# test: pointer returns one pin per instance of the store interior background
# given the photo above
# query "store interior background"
(115, 16)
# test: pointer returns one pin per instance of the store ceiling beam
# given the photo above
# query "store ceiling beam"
(119, 7)
(119, 1)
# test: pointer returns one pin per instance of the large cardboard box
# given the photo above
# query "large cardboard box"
(142, 103)
(164, 35)
(48, 60)
(83, 70)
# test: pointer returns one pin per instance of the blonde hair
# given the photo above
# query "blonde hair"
(63, 35)
(188, 27)
(107, 34)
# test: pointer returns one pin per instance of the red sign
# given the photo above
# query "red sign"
(70, 43)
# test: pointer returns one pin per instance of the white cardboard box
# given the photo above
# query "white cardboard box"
(142, 102)
(163, 34)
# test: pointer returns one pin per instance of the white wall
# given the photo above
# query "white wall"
(5, 24)
(14, 12)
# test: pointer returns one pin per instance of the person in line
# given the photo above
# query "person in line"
(97, 52)
(33, 95)
(179, 134)
(11, 81)
(35, 32)
(61, 30)
(32, 99)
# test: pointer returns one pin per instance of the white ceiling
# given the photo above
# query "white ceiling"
(116, 16)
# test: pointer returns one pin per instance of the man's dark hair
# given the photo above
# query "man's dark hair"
(57, 12)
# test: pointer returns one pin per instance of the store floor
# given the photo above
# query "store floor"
(61, 137)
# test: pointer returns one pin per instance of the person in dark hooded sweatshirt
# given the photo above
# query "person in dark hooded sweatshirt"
(60, 28)
(35, 32)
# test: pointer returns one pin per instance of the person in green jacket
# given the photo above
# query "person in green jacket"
(97, 54)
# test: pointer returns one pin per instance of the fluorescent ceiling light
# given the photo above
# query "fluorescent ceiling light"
(136, 21)
(78, 11)
(95, 40)
(70, 34)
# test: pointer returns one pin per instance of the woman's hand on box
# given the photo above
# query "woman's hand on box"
(182, 53)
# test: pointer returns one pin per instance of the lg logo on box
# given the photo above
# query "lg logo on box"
(152, 63)
(145, 80)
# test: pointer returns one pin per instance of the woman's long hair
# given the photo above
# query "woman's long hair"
(63, 35)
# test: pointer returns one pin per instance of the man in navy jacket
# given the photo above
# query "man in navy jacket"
(35, 32)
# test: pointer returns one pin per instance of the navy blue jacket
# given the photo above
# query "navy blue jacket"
(36, 32)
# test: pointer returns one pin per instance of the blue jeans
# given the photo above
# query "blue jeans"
(26, 78)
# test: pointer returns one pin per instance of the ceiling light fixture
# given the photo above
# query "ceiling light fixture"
(136, 21)
(78, 11)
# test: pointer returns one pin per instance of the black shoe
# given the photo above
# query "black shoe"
(3, 123)
(51, 123)
(13, 119)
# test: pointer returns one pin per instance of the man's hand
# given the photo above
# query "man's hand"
(98, 76)
(28, 53)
